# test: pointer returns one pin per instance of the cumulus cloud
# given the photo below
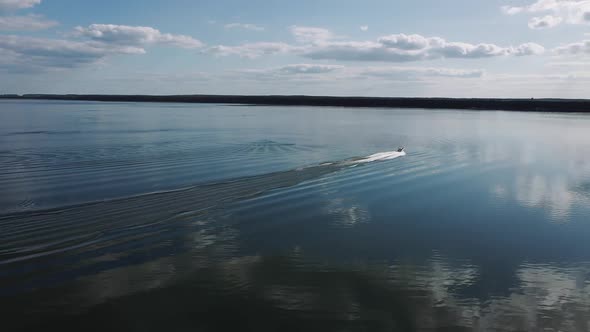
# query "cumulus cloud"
(94, 43)
(364, 28)
(25, 23)
(251, 50)
(512, 10)
(569, 11)
(28, 53)
(311, 34)
(404, 42)
(135, 36)
(401, 47)
(544, 22)
(7, 5)
(528, 49)
(321, 44)
(245, 26)
(580, 48)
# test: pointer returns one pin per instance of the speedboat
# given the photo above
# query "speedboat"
(401, 149)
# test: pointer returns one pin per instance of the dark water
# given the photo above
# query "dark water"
(139, 217)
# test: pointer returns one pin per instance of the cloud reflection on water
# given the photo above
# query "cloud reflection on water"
(270, 291)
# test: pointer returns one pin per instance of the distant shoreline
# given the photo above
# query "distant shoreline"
(532, 105)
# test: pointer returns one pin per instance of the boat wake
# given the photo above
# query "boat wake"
(96, 229)
(380, 156)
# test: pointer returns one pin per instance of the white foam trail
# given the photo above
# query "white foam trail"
(378, 156)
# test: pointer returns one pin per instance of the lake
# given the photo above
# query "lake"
(152, 216)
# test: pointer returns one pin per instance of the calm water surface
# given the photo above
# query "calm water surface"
(178, 217)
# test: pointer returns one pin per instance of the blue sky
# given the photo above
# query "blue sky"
(462, 48)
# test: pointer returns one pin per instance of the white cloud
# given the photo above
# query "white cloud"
(332, 79)
(245, 26)
(25, 23)
(251, 50)
(547, 21)
(566, 64)
(135, 36)
(339, 72)
(321, 44)
(309, 69)
(311, 34)
(364, 28)
(580, 48)
(96, 42)
(569, 11)
(512, 10)
(528, 49)
(417, 72)
(292, 72)
(27, 53)
(545, 79)
(401, 47)
(17, 4)
(404, 42)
